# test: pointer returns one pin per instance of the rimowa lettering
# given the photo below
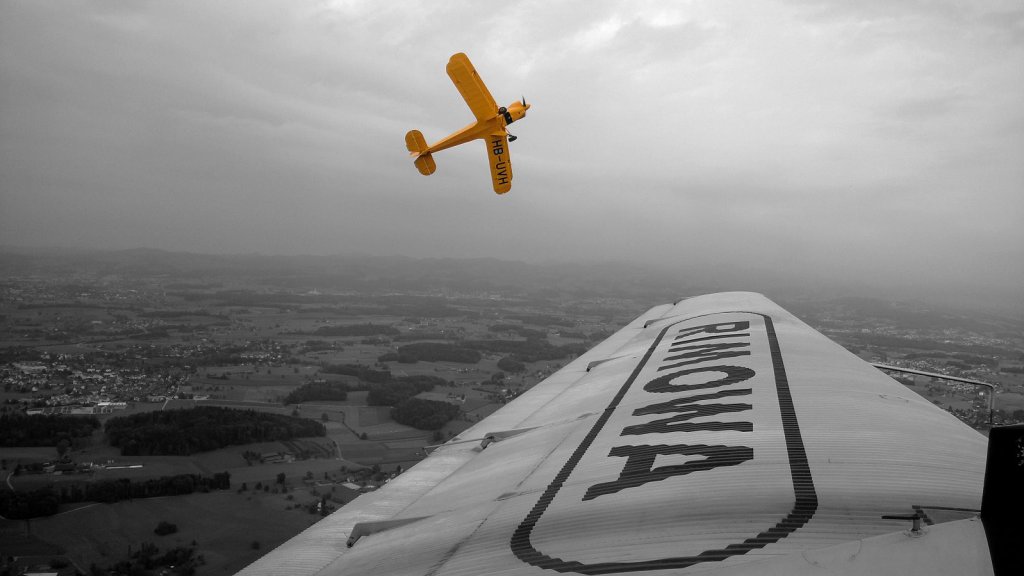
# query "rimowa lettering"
(501, 175)
(684, 417)
(683, 409)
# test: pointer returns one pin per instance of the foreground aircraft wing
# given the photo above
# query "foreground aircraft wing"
(718, 435)
(472, 88)
(501, 162)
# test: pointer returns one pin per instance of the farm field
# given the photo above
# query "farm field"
(216, 345)
(104, 533)
(194, 333)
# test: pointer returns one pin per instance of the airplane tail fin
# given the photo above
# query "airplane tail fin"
(417, 145)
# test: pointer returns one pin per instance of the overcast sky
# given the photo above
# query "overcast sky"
(878, 140)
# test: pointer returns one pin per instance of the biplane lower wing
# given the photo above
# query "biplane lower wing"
(500, 161)
(717, 435)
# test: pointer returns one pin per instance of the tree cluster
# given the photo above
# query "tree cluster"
(532, 350)
(522, 331)
(317, 391)
(317, 346)
(364, 373)
(510, 364)
(184, 432)
(19, 354)
(541, 320)
(425, 309)
(357, 330)
(148, 558)
(424, 414)
(402, 388)
(417, 336)
(164, 528)
(45, 501)
(44, 429)
(432, 352)
(970, 359)
(886, 341)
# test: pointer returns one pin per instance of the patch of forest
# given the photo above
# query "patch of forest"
(317, 391)
(180, 314)
(397, 392)
(357, 330)
(413, 312)
(46, 501)
(531, 350)
(19, 354)
(203, 428)
(424, 414)
(959, 358)
(541, 320)
(360, 371)
(179, 560)
(422, 335)
(509, 364)
(522, 331)
(394, 392)
(432, 352)
(897, 342)
(44, 429)
(318, 346)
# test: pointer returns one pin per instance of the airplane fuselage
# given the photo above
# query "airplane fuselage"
(474, 131)
(490, 125)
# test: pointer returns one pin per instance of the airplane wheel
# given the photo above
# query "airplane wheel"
(502, 110)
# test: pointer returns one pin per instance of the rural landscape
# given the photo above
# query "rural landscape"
(169, 413)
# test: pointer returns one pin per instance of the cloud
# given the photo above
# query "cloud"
(857, 139)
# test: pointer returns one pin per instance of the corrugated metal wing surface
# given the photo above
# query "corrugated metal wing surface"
(707, 435)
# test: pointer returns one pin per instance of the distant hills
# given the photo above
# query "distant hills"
(644, 283)
(355, 273)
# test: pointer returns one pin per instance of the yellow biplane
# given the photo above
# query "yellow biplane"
(490, 126)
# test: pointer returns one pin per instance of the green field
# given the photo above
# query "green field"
(105, 533)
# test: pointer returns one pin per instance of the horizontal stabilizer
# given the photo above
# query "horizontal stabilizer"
(417, 145)
(414, 141)
(425, 163)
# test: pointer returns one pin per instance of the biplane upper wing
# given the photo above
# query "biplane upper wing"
(501, 162)
(717, 435)
(472, 88)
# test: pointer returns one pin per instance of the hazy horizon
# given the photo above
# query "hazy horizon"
(873, 146)
(602, 276)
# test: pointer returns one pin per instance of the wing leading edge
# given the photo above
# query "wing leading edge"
(718, 435)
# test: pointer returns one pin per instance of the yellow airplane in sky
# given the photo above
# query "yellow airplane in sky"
(490, 126)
